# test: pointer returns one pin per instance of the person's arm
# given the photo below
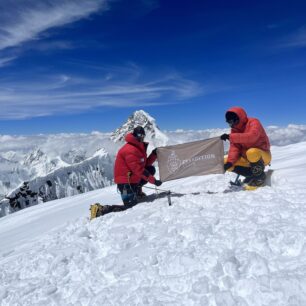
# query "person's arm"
(249, 137)
(152, 158)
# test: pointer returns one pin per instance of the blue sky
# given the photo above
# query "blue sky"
(79, 66)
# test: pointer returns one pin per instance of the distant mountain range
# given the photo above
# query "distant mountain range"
(40, 168)
(45, 173)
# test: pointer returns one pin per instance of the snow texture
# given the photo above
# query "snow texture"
(241, 248)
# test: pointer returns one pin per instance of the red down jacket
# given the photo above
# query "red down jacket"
(249, 133)
(132, 157)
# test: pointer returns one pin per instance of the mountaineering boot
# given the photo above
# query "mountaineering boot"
(94, 210)
(97, 210)
(247, 180)
(258, 176)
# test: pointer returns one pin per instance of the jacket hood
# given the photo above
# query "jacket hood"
(243, 117)
(130, 138)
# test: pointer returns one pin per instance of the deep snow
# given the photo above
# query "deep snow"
(240, 248)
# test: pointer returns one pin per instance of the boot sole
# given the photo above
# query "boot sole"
(94, 210)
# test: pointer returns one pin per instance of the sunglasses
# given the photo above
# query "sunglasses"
(232, 122)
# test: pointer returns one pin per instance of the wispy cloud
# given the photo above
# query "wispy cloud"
(296, 39)
(6, 60)
(51, 45)
(25, 20)
(66, 94)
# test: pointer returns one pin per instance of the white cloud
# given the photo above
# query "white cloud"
(295, 40)
(66, 94)
(6, 60)
(51, 45)
(25, 20)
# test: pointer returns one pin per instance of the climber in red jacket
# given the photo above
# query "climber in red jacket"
(133, 168)
(249, 150)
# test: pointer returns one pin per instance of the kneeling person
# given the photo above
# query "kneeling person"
(133, 169)
(249, 150)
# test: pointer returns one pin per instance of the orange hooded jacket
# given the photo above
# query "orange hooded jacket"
(249, 133)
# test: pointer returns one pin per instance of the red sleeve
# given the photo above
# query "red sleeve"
(251, 136)
(151, 159)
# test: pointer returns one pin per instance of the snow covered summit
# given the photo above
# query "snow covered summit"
(225, 249)
(140, 117)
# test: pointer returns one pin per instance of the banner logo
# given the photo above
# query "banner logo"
(173, 163)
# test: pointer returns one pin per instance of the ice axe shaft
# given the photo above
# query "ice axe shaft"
(169, 198)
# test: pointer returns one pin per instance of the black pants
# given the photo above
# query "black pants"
(129, 191)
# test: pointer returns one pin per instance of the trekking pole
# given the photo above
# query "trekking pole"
(169, 198)
(156, 189)
(168, 193)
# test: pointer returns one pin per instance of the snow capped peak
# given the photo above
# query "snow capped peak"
(35, 157)
(41, 164)
(140, 117)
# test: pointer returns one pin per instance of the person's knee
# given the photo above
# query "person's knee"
(253, 155)
(266, 156)
(129, 199)
(128, 194)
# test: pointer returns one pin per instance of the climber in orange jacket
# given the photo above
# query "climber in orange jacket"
(249, 150)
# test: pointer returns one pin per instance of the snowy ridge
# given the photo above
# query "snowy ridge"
(93, 173)
(241, 248)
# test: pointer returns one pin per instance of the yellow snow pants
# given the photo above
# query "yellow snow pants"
(253, 156)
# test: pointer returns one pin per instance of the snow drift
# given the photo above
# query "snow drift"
(240, 248)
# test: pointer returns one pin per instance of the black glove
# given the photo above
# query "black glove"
(224, 137)
(157, 183)
(227, 166)
(154, 151)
